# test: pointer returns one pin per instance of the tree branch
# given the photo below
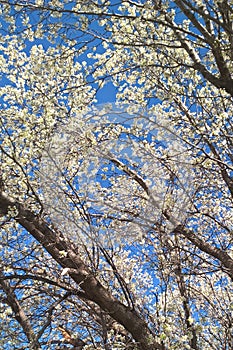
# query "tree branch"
(62, 252)
(215, 252)
(19, 313)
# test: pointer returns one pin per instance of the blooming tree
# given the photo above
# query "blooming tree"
(116, 220)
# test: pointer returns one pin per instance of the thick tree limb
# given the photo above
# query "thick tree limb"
(62, 252)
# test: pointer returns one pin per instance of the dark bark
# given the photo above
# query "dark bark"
(55, 244)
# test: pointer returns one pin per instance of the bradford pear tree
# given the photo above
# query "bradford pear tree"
(116, 220)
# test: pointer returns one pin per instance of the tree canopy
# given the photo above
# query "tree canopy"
(116, 218)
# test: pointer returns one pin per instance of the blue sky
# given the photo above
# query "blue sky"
(106, 94)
